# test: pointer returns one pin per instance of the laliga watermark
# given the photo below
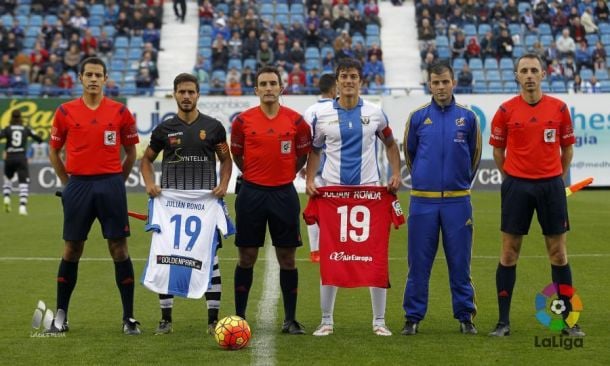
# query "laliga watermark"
(550, 312)
(42, 321)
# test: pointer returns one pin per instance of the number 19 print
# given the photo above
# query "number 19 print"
(184, 226)
(354, 232)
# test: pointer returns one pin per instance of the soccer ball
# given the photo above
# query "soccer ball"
(232, 332)
(558, 307)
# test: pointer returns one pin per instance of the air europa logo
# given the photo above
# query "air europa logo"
(342, 257)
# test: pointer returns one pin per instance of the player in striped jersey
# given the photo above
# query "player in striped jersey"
(328, 91)
(347, 130)
(190, 142)
(16, 135)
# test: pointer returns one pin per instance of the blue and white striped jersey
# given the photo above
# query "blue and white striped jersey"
(349, 141)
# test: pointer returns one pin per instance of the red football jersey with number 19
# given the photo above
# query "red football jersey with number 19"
(93, 138)
(354, 233)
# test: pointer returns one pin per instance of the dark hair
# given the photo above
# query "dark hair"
(269, 70)
(533, 56)
(185, 78)
(326, 83)
(348, 63)
(93, 61)
(439, 67)
(16, 117)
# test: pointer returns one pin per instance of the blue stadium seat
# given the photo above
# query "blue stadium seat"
(220, 75)
(495, 87)
(356, 38)
(469, 29)
(558, 86)
(24, 20)
(22, 10)
(34, 89)
(518, 51)
(546, 40)
(96, 9)
(605, 87)
(506, 63)
(120, 53)
(591, 39)
(205, 41)
(206, 52)
(442, 41)
(523, 6)
(458, 63)
(604, 28)
(28, 44)
(266, 8)
(443, 53)
(117, 76)
(312, 52)
(370, 40)
(7, 20)
(297, 18)
(51, 19)
(96, 21)
(251, 63)
(507, 75)
(283, 19)
(530, 39)
(136, 42)
(121, 42)
(205, 30)
(480, 88)
(490, 63)
(35, 20)
(312, 63)
(118, 65)
(585, 74)
(484, 28)
(601, 74)
(134, 54)
(129, 89)
(32, 31)
(515, 28)
(605, 39)
(110, 31)
(297, 8)
(493, 75)
(546, 87)
(222, 6)
(544, 29)
(372, 30)
(327, 49)
(281, 9)
(478, 75)
(204, 88)
(510, 87)
(236, 63)
(475, 64)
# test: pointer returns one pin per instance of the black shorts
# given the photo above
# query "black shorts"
(86, 198)
(520, 197)
(19, 166)
(256, 206)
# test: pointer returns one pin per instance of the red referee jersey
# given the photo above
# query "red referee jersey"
(533, 136)
(93, 138)
(270, 146)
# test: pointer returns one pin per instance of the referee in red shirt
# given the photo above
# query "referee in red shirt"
(532, 138)
(269, 143)
(92, 130)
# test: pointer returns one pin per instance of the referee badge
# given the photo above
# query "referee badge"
(202, 134)
(286, 147)
(550, 134)
(365, 120)
(110, 138)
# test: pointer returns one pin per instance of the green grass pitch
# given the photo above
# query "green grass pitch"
(31, 247)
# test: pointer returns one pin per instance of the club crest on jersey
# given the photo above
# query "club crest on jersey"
(110, 138)
(365, 120)
(174, 141)
(460, 122)
(428, 121)
(202, 134)
(286, 147)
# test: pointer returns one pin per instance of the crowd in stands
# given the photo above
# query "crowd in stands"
(303, 39)
(42, 43)
(482, 37)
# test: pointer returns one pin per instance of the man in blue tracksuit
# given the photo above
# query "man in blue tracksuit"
(442, 147)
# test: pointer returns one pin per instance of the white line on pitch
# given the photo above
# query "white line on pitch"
(263, 347)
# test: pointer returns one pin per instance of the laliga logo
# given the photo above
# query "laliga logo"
(558, 307)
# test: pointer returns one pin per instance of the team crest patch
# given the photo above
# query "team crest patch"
(286, 147)
(110, 138)
(202, 134)
(174, 141)
(460, 122)
(549, 134)
(365, 120)
(428, 121)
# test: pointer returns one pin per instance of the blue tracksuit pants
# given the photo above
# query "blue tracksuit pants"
(453, 218)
